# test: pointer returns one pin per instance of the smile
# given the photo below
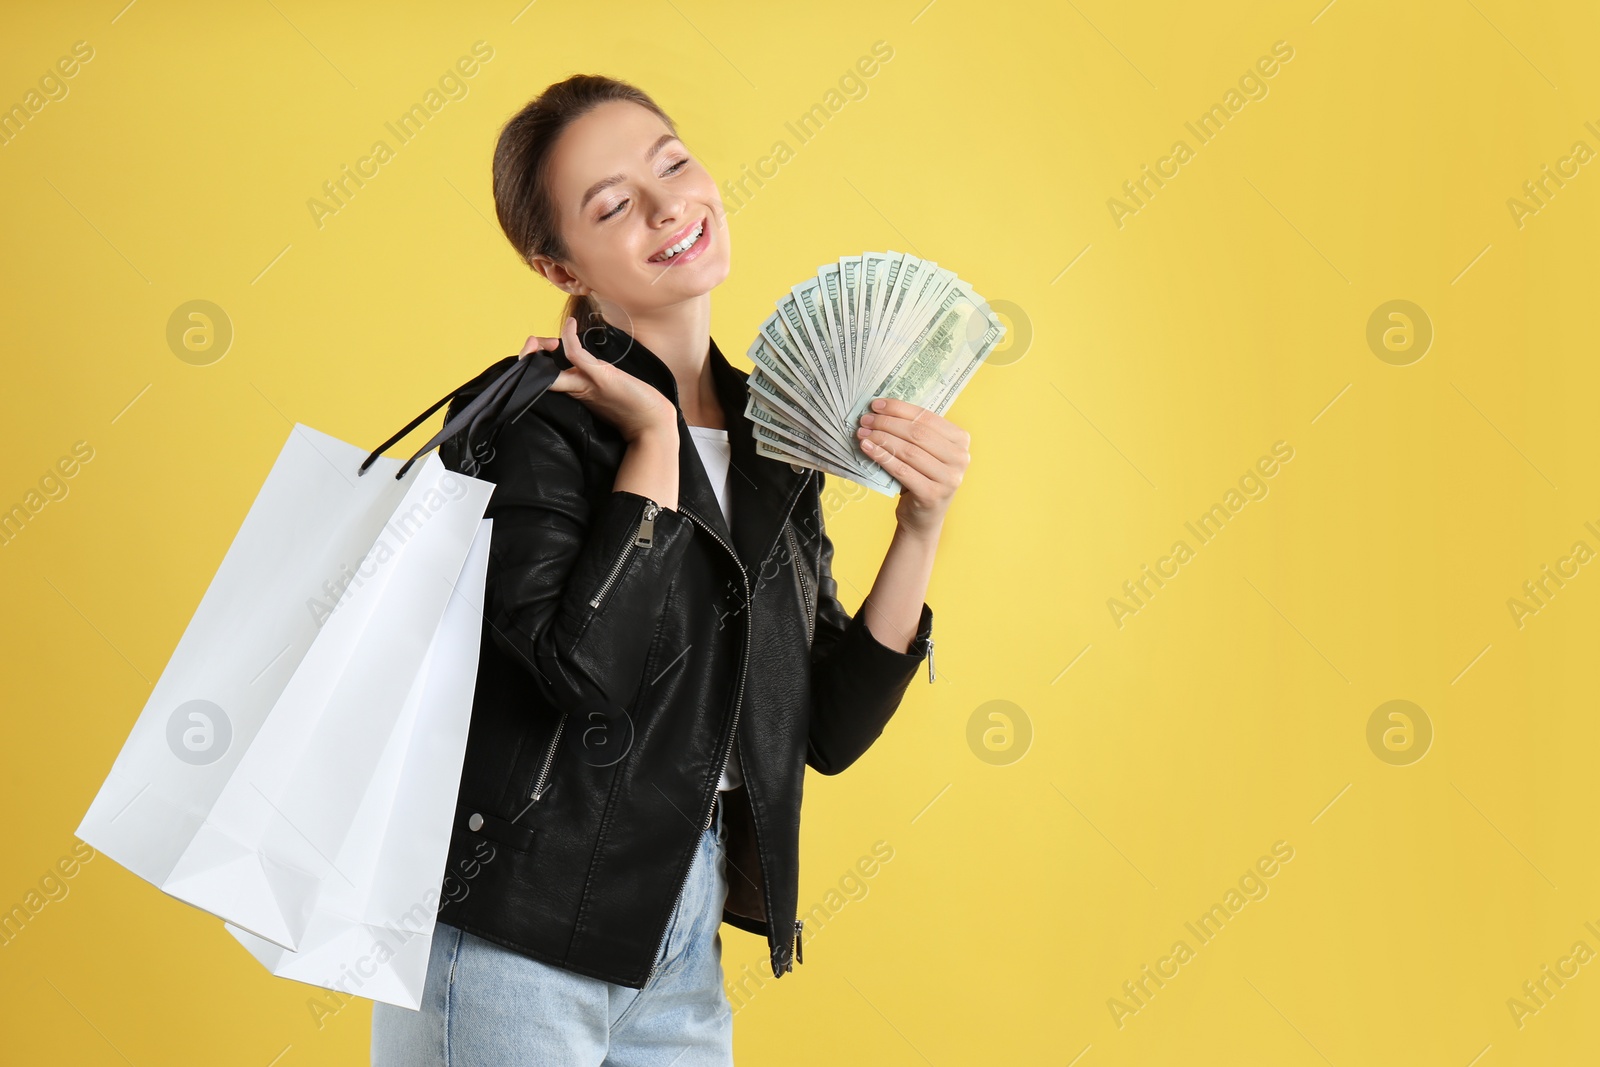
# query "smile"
(688, 246)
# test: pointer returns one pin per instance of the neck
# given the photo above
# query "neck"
(680, 335)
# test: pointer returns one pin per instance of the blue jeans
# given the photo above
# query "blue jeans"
(488, 1006)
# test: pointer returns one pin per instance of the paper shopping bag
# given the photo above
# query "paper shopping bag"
(371, 927)
(239, 781)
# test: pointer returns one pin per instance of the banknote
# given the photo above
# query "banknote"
(870, 325)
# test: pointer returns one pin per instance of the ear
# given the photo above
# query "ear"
(557, 274)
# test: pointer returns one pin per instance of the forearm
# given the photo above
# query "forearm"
(650, 466)
(893, 607)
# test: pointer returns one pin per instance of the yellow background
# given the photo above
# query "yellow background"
(1167, 354)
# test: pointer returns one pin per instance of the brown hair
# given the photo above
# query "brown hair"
(523, 199)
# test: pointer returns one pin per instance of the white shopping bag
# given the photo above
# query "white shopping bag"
(242, 778)
(372, 924)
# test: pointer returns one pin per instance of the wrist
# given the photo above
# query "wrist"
(924, 531)
(660, 433)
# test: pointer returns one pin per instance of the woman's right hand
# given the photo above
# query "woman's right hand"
(629, 403)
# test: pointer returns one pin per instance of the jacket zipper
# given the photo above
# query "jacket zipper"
(732, 734)
(799, 926)
(644, 538)
(541, 782)
(930, 658)
(794, 554)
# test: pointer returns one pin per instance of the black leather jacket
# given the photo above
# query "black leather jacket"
(622, 644)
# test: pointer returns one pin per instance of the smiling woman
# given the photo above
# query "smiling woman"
(614, 217)
(638, 811)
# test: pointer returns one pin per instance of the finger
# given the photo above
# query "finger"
(924, 433)
(897, 408)
(571, 344)
(880, 448)
(569, 380)
(911, 478)
(536, 344)
(893, 405)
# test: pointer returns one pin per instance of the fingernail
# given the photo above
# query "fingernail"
(877, 405)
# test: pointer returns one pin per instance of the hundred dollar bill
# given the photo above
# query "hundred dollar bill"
(777, 412)
(832, 290)
(801, 312)
(800, 384)
(937, 360)
(877, 324)
(773, 440)
(850, 297)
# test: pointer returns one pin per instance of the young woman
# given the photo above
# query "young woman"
(664, 650)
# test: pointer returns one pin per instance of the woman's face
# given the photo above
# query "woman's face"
(627, 190)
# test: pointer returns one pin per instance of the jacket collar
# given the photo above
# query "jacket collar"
(761, 490)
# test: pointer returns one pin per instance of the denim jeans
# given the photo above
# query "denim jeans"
(488, 1006)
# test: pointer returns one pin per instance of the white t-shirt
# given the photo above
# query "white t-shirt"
(715, 454)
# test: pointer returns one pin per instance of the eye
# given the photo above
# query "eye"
(679, 165)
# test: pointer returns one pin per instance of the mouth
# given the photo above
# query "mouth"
(684, 245)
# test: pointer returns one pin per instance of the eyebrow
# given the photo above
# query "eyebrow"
(605, 183)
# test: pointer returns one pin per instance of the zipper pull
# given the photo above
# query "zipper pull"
(930, 659)
(799, 927)
(647, 525)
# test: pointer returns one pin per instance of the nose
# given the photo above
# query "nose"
(669, 206)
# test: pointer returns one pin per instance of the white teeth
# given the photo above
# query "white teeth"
(680, 246)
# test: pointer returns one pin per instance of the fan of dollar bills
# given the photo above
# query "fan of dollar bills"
(877, 324)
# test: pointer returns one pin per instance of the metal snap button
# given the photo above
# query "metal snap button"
(475, 822)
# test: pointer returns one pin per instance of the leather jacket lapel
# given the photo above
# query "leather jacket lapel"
(762, 489)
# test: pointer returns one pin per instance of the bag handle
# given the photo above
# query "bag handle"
(515, 387)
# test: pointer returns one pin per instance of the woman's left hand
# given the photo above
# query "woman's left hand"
(926, 453)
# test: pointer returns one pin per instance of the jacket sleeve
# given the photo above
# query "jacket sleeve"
(573, 586)
(857, 681)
